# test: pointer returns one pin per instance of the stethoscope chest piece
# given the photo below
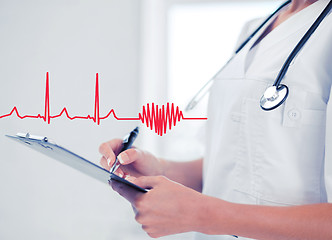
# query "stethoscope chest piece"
(273, 97)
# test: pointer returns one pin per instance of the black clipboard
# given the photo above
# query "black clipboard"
(57, 152)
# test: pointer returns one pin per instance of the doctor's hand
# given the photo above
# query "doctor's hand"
(168, 208)
(134, 162)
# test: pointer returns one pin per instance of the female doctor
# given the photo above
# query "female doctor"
(263, 171)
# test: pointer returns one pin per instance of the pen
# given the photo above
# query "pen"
(126, 144)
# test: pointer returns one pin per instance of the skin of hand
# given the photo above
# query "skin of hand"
(167, 208)
(170, 208)
(134, 162)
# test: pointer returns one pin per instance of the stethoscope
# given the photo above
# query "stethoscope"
(276, 94)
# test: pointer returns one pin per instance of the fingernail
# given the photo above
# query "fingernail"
(120, 175)
(108, 161)
(123, 158)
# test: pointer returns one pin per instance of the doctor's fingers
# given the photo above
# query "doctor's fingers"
(131, 155)
(127, 192)
(104, 164)
(109, 150)
(150, 223)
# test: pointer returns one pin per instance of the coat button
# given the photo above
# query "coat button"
(294, 114)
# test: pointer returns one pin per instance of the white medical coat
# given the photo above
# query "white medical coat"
(272, 157)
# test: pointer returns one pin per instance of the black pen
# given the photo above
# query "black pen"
(126, 144)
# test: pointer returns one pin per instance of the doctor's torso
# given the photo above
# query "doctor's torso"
(271, 157)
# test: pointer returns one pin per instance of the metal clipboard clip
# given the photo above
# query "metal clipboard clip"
(33, 137)
(39, 139)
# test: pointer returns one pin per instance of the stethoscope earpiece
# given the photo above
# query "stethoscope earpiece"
(273, 97)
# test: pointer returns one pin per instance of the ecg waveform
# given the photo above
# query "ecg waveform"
(156, 118)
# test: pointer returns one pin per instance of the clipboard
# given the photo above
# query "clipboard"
(57, 152)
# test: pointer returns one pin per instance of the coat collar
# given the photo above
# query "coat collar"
(292, 25)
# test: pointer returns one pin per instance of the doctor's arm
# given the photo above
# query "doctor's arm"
(170, 208)
(264, 222)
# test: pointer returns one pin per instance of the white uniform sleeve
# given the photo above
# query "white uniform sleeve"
(328, 150)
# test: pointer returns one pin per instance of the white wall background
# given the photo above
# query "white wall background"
(72, 40)
(126, 42)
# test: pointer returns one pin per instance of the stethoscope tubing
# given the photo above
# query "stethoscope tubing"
(205, 89)
(301, 43)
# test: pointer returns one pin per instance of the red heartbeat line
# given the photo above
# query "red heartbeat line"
(155, 118)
